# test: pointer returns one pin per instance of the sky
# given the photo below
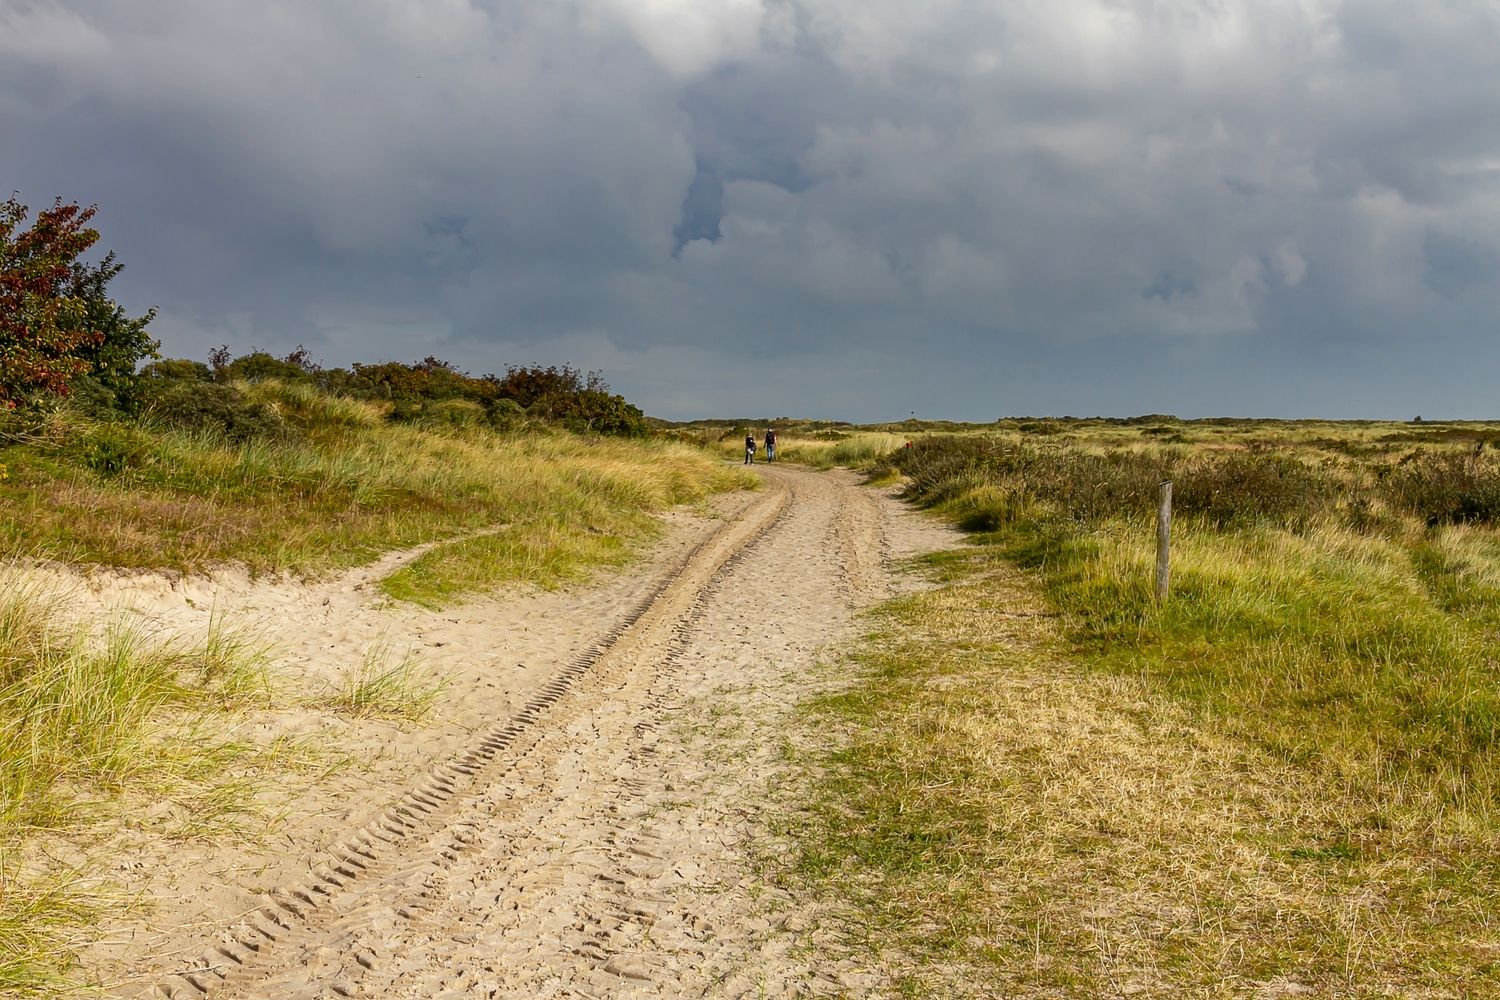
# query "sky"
(843, 209)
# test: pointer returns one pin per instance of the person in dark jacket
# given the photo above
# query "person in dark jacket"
(749, 449)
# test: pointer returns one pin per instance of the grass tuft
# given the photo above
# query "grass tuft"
(89, 709)
(385, 686)
(33, 912)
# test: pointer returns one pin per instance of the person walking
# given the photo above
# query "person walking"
(750, 448)
(770, 444)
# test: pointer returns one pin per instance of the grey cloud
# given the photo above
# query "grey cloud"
(749, 125)
(987, 208)
(1455, 264)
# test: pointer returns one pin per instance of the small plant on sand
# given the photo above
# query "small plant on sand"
(231, 662)
(382, 685)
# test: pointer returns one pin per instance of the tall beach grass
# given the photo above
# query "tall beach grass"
(88, 709)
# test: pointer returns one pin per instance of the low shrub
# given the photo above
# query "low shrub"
(111, 448)
(1225, 490)
(454, 413)
(506, 415)
(1079, 485)
(92, 398)
(215, 407)
(258, 366)
(408, 386)
(1245, 488)
(564, 395)
(173, 370)
(1447, 488)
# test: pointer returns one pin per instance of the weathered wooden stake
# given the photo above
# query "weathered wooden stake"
(1163, 539)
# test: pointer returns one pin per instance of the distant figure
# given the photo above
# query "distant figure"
(770, 444)
(749, 449)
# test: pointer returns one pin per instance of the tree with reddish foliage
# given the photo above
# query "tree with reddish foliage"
(41, 323)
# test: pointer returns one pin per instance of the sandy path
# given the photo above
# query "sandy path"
(596, 841)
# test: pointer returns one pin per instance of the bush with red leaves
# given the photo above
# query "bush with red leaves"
(42, 323)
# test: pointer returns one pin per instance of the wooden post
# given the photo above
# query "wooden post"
(1163, 539)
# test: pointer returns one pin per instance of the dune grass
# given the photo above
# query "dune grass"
(81, 699)
(386, 686)
(571, 511)
(91, 708)
(339, 486)
(33, 912)
(1282, 781)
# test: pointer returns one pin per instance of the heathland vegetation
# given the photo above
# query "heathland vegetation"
(307, 472)
(1283, 779)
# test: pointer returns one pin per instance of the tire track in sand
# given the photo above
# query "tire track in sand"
(392, 841)
(604, 854)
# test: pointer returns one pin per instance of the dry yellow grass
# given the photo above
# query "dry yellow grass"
(1017, 825)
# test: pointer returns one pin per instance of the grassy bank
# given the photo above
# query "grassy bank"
(1286, 778)
(336, 484)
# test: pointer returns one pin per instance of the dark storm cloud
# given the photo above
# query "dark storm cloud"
(823, 206)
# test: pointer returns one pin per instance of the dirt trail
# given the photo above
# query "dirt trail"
(594, 839)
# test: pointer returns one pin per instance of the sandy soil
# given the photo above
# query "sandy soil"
(582, 813)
